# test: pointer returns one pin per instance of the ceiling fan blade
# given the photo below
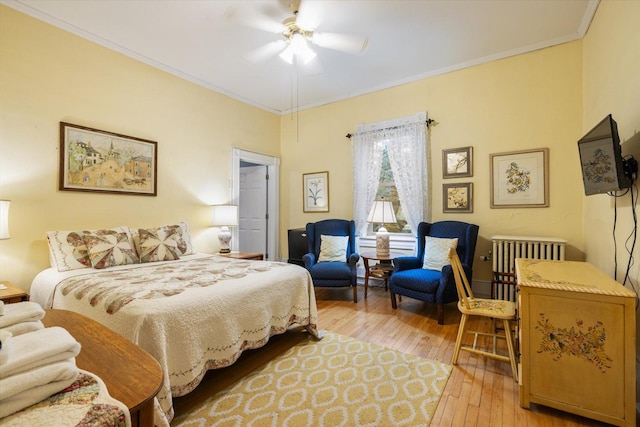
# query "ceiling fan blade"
(265, 52)
(348, 43)
(310, 14)
(253, 18)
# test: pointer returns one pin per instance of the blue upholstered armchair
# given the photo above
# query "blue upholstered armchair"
(335, 273)
(410, 279)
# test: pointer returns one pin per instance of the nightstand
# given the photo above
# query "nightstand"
(382, 270)
(12, 294)
(244, 255)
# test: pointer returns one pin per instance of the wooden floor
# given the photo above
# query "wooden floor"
(480, 392)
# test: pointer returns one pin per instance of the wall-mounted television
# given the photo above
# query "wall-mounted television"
(603, 168)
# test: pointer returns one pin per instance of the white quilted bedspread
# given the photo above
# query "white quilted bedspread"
(191, 315)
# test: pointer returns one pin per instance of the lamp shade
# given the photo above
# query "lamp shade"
(4, 219)
(222, 215)
(382, 212)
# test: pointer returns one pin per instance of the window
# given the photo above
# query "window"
(390, 160)
(387, 189)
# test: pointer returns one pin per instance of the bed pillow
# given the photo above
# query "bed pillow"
(182, 237)
(436, 252)
(108, 248)
(333, 248)
(157, 244)
(68, 251)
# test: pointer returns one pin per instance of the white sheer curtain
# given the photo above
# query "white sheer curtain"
(406, 141)
(367, 162)
(407, 149)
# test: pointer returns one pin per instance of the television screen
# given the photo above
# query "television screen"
(601, 159)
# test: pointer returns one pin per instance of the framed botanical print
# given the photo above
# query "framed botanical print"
(457, 198)
(520, 179)
(457, 162)
(315, 192)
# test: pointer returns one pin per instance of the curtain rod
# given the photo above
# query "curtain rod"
(428, 123)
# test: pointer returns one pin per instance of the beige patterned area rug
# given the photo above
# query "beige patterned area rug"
(337, 381)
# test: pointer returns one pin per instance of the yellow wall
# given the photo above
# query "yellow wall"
(524, 102)
(529, 101)
(48, 75)
(611, 84)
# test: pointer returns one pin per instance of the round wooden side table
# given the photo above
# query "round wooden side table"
(381, 270)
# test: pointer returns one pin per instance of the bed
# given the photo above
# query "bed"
(193, 313)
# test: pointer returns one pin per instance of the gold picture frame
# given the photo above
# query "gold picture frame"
(520, 179)
(457, 162)
(315, 192)
(94, 160)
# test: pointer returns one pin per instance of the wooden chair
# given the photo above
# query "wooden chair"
(471, 306)
(504, 286)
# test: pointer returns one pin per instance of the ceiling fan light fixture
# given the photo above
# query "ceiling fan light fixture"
(287, 55)
(299, 48)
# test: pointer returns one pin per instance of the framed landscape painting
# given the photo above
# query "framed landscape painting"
(315, 192)
(520, 179)
(105, 162)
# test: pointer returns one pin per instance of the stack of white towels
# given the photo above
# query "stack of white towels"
(35, 362)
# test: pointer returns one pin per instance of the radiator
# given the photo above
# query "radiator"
(505, 251)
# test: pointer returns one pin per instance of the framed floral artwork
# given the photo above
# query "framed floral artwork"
(315, 192)
(457, 162)
(457, 198)
(520, 179)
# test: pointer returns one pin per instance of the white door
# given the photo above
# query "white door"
(253, 210)
(272, 197)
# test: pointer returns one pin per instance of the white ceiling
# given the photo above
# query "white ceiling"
(407, 40)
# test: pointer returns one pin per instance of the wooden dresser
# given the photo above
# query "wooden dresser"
(577, 340)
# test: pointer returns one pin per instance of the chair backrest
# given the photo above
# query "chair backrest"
(331, 227)
(462, 284)
(466, 233)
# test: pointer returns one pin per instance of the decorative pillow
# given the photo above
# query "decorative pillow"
(182, 237)
(436, 252)
(158, 244)
(68, 251)
(184, 241)
(333, 248)
(108, 248)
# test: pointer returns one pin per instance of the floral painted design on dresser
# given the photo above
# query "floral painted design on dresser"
(530, 277)
(586, 343)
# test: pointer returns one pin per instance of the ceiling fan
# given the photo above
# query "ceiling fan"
(297, 37)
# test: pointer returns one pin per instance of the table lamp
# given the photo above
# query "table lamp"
(224, 216)
(382, 212)
(4, 219)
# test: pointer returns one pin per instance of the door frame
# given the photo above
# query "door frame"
(273, 200)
